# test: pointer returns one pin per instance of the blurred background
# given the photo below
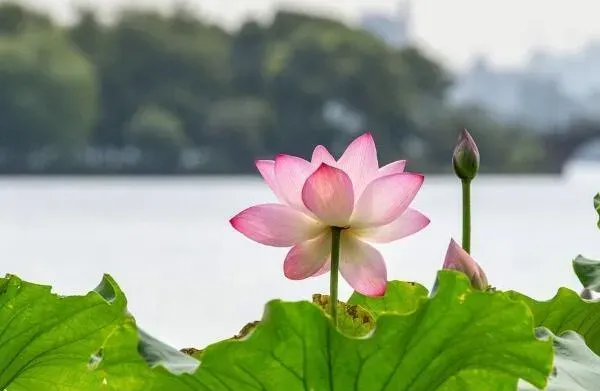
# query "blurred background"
(122, 109)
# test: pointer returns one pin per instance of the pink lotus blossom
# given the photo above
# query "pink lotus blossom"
(458, 259)
(370, 204)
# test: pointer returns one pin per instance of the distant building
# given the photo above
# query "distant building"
(577, 73)
(395, 30)
(537, 100)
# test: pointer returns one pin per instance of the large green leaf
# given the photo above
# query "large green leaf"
(566, 311)
(81, 343)
(458, 340)
(577, 368)
(588, 272)
(46, 340)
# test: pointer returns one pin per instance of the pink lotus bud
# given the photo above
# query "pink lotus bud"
(458, 259)
(465, 159)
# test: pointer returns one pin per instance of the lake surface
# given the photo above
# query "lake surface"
(191, 279)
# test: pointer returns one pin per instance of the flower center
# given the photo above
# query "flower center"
(342, 228)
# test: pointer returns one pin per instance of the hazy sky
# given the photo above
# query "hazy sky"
(454, 30)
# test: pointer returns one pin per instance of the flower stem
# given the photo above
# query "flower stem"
(466, 215)
(335, 266)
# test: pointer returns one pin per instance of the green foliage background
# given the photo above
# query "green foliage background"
(175, 84)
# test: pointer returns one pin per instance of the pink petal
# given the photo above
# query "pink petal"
(454, 254)
(362, 266)
(291, 172)
(396, 167)
(359, 161)
(322, 155)
(328, 194)
(307, 258)
(385, 199)
(276, 225)
(458, 259)
(325, 268)
(267, 170)
(409, 222)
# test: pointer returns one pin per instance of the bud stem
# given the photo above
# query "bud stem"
(333, 278)
(466, 215)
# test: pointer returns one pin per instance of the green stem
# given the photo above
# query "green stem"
(333, 278)
(466, 215)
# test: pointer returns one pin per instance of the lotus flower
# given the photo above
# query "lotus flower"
(458, 259)
(369, 203)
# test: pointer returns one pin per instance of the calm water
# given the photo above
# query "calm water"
(191, 279)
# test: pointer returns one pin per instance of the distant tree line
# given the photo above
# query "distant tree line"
(154, 93)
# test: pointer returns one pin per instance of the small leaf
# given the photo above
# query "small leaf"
(576, 367)
(588, 272)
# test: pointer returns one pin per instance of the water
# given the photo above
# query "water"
(191, 279)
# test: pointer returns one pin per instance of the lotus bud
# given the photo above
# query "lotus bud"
(458, 259)
(465, 159)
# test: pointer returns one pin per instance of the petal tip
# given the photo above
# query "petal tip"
(284, 156)
(324, 165)
(375, 290)
(320, 148)
(287, 273)
(426, 221)
(381, 291)
(417, 177)
(285, 159)
(366, 137)
(324, 168)
(234, 221)
(401, 162)
(453, 243)
(454, 253)
(263, 161)
(262, 164)
(292, 274)
(321, 154)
